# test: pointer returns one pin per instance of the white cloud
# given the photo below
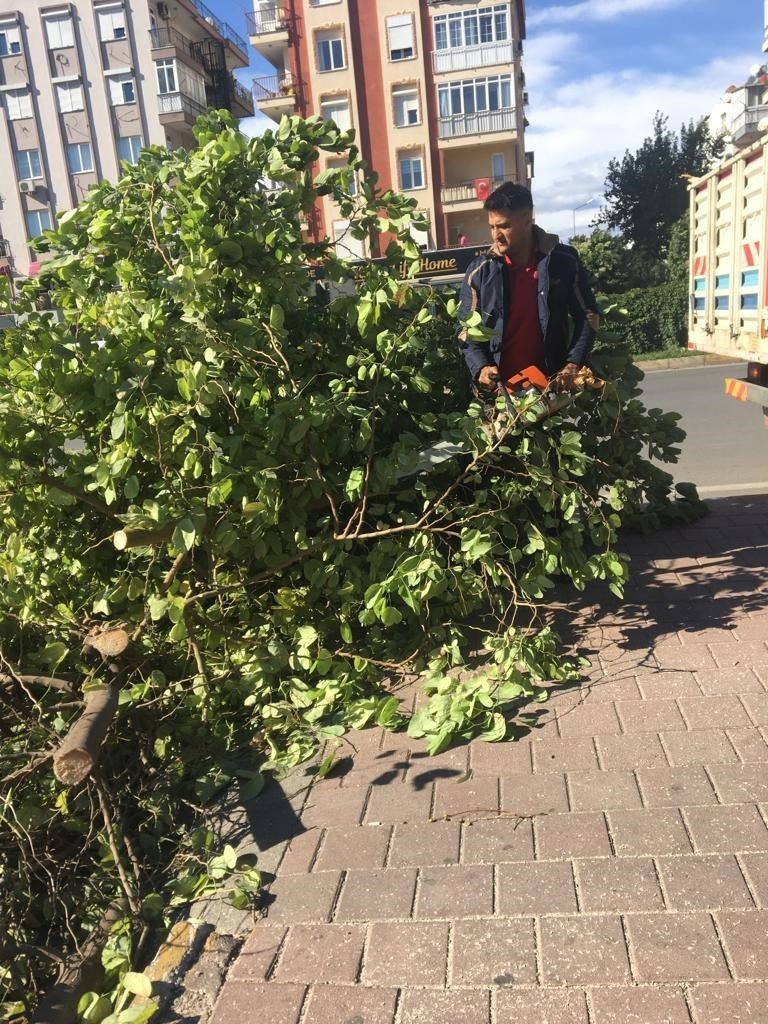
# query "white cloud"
(547, 54)
(577, 128)
(597, 10)
(256, 125)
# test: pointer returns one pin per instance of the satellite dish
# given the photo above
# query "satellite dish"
(755, 69)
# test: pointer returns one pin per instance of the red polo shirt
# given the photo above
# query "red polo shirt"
(522, 344)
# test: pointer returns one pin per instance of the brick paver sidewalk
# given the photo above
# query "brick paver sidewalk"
(611, 868)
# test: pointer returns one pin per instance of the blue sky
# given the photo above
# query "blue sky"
(596, 72)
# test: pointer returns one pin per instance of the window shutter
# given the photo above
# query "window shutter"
(400, 32)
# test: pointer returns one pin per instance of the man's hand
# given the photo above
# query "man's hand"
(488, 377)
(564, 381)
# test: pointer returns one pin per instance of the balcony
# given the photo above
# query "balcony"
(242, 98)
(275, 96)
(268, 29)
(746, 128)
(169, 38)
(464, 192)
(223, 29)
(177, 106)
(467, 57)
(482, 122)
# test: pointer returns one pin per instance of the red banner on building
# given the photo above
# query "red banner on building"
(482, 188)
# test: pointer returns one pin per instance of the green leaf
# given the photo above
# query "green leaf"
(326, 765)
(276, 317)
(137, 984)
(158, 606)
(179, 632)
(391, 616)
(306, 636)
(53, 654)
(92, 1008)
(184, 535)
(117, 427)
(137, 1014)
(152, 906)
(251, 787)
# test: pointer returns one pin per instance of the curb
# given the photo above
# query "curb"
(190, 966)
(189, 969)
(683, 362)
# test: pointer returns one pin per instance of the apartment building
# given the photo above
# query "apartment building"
(434, 89)
(85, 85)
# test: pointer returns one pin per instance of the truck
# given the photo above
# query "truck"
(728, 272)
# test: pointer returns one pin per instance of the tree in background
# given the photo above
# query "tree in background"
(678, 253)
(605, 257)
(646, 191)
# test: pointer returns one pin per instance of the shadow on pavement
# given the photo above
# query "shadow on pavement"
(695, 580)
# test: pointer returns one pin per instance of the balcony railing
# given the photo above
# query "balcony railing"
(273, 87)
(267, 19)
(746, 127)
(466, 57)
(465, 191)
(244, 96)
(225, 30)
(178, 102)
(160, 38)
(479, 123)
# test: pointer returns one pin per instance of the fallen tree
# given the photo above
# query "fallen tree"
(214, 457)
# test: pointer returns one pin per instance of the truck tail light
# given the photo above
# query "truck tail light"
(757, 373)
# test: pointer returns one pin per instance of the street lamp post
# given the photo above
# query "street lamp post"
(592, 199)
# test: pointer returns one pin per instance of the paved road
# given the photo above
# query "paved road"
(726, 452)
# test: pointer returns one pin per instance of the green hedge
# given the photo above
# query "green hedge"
(656, 318)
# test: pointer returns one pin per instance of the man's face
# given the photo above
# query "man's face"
(510, 232)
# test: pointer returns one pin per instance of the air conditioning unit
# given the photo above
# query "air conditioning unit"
(26, 186)
(162, 10)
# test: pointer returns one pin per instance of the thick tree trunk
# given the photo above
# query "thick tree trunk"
(48, 682)
(136, 538)
(79, 751)
(80, 973)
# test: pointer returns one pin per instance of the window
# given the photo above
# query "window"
(18, 103)
(406, 106)
(400, 37)
(474, 94)
(28, 164)
(420, 236)
(37, 222)
(330, 50)
(347, 247)
(497, 166)
(411, 172)
(69, 96)
(10, 39)
(337, 111)
(79, 157)
(348, 178)
(129, 148)
(166, 76)
(59, 31)
(470, 28)
(121, 89)
(111, 24)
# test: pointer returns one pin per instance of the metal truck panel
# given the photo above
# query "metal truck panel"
(728, 282)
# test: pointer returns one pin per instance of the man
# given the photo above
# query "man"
(532, 294)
